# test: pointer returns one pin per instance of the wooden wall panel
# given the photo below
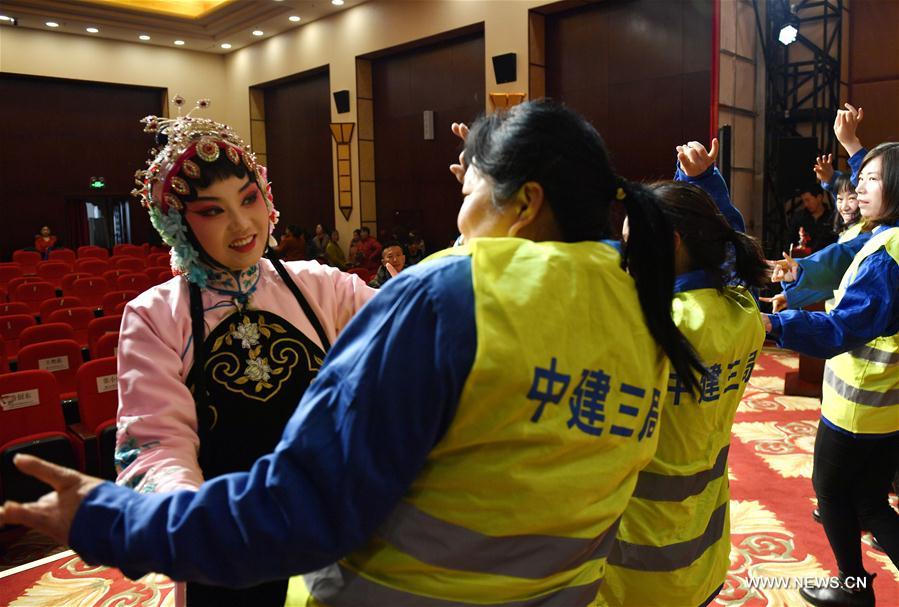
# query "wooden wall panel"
(298, 149)
(414, 186)
(640, 71)
(55, 135)
(874, 68)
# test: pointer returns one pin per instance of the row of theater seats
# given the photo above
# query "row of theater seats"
(22, 339)
(32, 421)
(30, 258)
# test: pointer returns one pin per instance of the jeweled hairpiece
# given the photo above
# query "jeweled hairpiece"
(161, 185)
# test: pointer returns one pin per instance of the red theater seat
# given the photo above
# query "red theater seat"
(33, 293)
(78, 318)
(45, 332)
(61, 357)
(49, 306)
(98, 401)
(91, 251)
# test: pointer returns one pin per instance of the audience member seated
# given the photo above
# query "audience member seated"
(44, 241)
(393, 260)
(368, 251)
(415, 249)
(319, 243)
(293, 244)
(815, 218)
(333, 252)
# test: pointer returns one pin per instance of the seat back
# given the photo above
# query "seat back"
(29, 404)
(134, 282)
(90, 251)
(92, 265)
(56, 447)
(90, 290)
(33, 293)
(10, 328)
(113, 298)
(99, 327)
(132, 264)
(8, 272)
(98, 395)
(158, 259)
(62, 357)
(52, 271)
(63, 255)
(112, 275)
(79, 318)
(49, 306)
(28, 260)
(14, 307)
(45, 332)
(69, 279)
(131, 250)
(108, 345)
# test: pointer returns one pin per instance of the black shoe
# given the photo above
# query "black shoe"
(846, 594)
(816, 514)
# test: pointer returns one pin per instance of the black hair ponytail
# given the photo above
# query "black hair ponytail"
(750, 265)
(648, 257)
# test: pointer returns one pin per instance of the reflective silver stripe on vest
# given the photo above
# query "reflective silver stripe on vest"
(874, 355)
(338, 586)
(857, 395)
(449, 546)
(667, 488)
(672, 556)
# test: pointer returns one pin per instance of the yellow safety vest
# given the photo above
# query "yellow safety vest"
(861, 387)
(520, 500)
(674, 540)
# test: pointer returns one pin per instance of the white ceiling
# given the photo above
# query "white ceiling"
(233, 22)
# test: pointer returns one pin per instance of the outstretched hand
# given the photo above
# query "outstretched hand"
(778, 302)
(784, 270)
(845, 127)
(694, 159)
(824, 168)
(54, 512)
(460, 130)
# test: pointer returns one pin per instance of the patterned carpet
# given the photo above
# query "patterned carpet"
(775, 541)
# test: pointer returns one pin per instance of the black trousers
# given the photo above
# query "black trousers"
(269, 594)
(852, 478)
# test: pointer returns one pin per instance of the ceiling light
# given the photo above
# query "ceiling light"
(258, 33)
(91, 30)
(144, 37)
(225, 45)
(789, 30)
(179, 42)
(51, 24)
(293, 18)
(5, 18)
(337, 2)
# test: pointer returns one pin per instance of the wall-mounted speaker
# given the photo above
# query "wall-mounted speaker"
(342, 101)
(504, 68)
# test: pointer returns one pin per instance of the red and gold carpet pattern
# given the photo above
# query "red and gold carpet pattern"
(773, 534)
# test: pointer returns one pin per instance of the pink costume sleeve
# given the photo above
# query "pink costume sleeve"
(157, 443)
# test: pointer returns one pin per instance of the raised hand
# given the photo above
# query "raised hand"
(53, 513)
(824, 168)
(778, 302)
(694, 159)
(784, 270)
(845, 127)
(460, 130)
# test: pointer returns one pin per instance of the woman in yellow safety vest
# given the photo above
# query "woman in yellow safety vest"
(673, 543)
(476, 431)
(857, 445)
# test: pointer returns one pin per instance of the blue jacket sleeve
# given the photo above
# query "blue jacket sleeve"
(821, 272)
(828, 185)
(385, 395)
(855, 163)
(869, 308)
(713, 183)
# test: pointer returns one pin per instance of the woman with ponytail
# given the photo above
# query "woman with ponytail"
(673, 543)
(475, 432)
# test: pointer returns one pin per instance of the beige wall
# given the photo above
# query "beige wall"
(187, 73)
(338, 40)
